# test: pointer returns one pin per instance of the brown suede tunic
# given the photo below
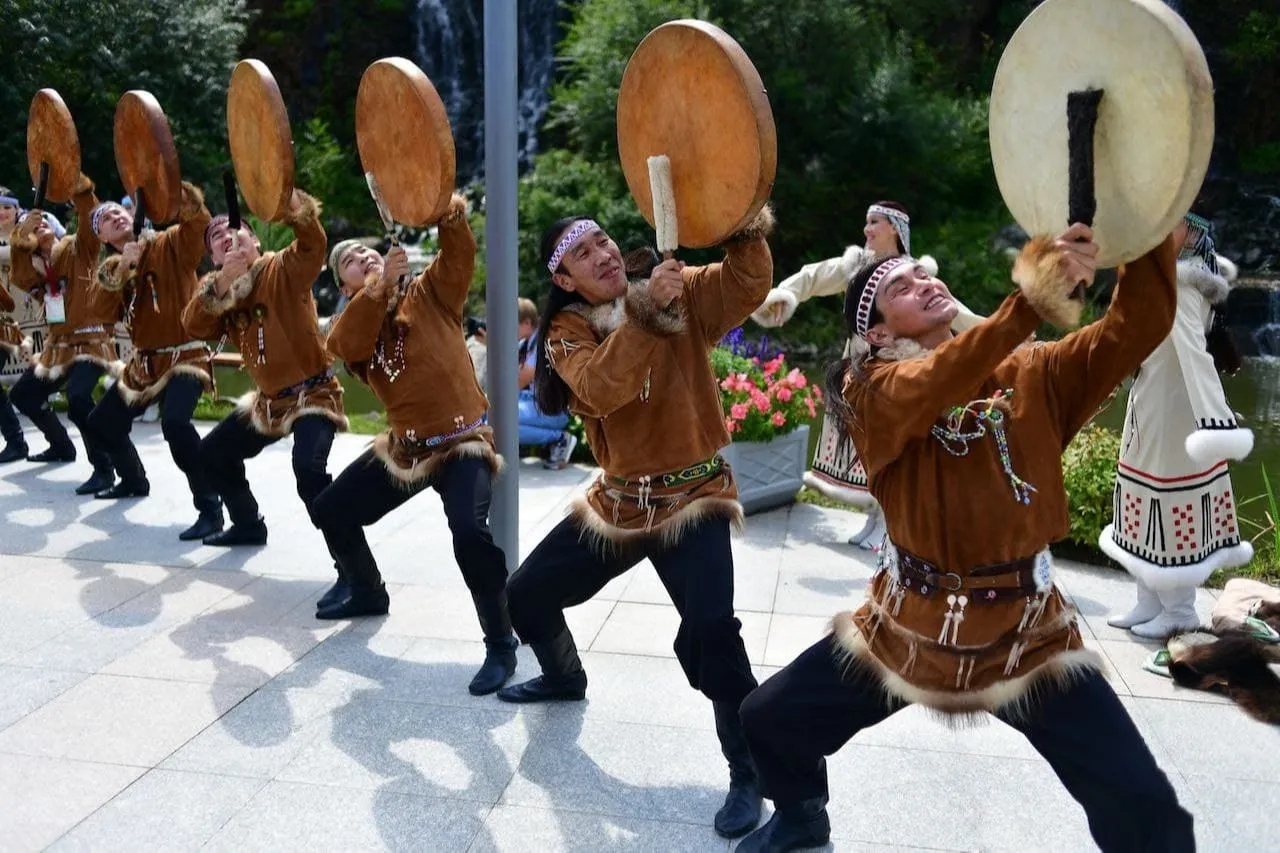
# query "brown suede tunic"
(410, 350)
(91, 310)
(641, 380)
(272, 314)
(157, 290)
(949, 494)
(10, 334)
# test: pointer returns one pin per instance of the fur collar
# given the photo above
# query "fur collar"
(1214, 288)
(604, 318)
(635, 304)
(903, 349)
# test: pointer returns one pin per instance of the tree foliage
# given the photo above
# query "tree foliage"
(93, 51)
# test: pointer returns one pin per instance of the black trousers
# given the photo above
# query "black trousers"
(31, 397)
(564, 571)
(234, 440)
(10, 429)
(812, 708)
(112, 421)
(364, 492)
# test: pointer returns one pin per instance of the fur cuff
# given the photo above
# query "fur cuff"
(23, 242)
(456, 211)
(1039, 273)
(213, 303)
(1214, 288)
(112, 274)
(929, 263)
(83, 185)
(1211, 446)
(766, 314)
(662, 322)
(760, 226)
(311, 208)
(192, 202)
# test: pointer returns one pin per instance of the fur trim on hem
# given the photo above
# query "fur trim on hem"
(1211, 446)
(859, 498)
(142, 397)
(604, 536)
(310, 209)
(777, 296)
(1174, 577)
(1238, 664)
(1013, 698)
(54, 373)
(1039, 272)
(247, 408)
(641, 310)
(424, 469)
(1214, 288)
(760, 226)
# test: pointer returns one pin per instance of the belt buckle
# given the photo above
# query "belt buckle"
(950, 581)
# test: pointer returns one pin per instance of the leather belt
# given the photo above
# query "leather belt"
(1026, 576)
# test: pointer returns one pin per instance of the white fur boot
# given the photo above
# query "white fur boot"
(1177, 617)
(1147, 608)
(872, 535)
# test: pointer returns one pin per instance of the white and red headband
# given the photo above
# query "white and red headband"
(899, 220)
(581, 227)
(867, 300)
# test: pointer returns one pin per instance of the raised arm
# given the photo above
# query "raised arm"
(603, 377)
(449, 275)
(303, 259)
(85, 200)
(22, 248)
(354, 333)
(193, 218)
(1084, 368)
(903, 399)
(719, 297)
(824, 278)
(202, 318)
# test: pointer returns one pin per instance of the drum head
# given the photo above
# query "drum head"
(52, 139)
(261, 142)
(1155, 122)
(146, 156)
(690, 92)
(404, 138)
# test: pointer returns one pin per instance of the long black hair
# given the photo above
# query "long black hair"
(840, 369)
(550, 390)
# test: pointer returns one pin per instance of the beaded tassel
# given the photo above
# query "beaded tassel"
(394, 365)
(262, 345)
(644, 391)
(962, 677)
(987, 418)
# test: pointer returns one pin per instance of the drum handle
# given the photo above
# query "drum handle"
(1082, 120)
(42, 186)
(664, 205)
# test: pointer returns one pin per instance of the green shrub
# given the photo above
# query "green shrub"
(1089, 473)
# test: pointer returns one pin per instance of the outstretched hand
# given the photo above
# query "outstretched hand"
(1079, 255)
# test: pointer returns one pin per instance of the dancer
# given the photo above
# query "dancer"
(632, 361)
(82, 315)
(1175, 518)
(962, 437)
(265, 301)
(13, 347)
(836, 471)
(403, 338)
(158, 274)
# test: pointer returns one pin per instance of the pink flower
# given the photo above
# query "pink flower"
(784, 394)
(778, 419)
(813, 410)
(796, 378)
(771, 367)
(738, 411)
(731, 425)
(817, 393)
(760, 400)
(727, 384)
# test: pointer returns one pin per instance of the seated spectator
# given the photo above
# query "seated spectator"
(538, 429)
(476, 334)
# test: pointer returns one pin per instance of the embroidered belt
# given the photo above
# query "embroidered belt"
(411, 442)
(1026, 576)
(91, 330)
(305, 385)
(692, 474)
(189, 345)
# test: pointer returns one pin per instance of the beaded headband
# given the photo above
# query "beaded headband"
(582, 226)
(899, 220)
(862, 319)
(99, 212)
(9, 201)
(1200, 243)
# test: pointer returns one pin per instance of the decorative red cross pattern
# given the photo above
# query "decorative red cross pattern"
(1224, 519)
(1183, 534)
(1132, 516)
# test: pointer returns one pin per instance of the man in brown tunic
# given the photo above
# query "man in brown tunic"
(403, 338)
(157, 275)
(962, 437)
(265, 302)
(82, 317)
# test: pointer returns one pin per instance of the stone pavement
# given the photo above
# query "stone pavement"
(156, 695)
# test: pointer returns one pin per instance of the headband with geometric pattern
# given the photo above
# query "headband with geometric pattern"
(582, 226)
(862, 319)
(900, 221)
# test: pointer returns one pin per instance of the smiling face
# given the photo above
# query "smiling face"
(593, 267)
(8, 218)
(913, 304)
(881, 238)
(220, 240)
(354, 268)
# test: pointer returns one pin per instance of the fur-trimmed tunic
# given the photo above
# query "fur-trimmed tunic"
(641, 380)
(434, 406)
(158, 289)
(950, 493)
(271, 312)
(1174, 521)
(10, 333)
(88, 334)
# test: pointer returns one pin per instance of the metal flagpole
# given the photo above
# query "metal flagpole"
(502, 292)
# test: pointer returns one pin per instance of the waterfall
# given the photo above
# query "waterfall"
(1267, 336)
(449, 47)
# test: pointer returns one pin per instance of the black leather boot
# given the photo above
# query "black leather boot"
(341, 589)
(795, 826)
(499, 644)
(741, 810)
(15, 444)
(14, 451)
(102, 480)
(60, 447)
(562, 675)
(251, 533)
(126, 489)
(133, 477)
(209, 522)
(365, 593)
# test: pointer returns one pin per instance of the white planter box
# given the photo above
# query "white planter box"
(769, 473)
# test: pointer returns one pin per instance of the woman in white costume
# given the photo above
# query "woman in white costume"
(836, 471)
(1174, 519)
